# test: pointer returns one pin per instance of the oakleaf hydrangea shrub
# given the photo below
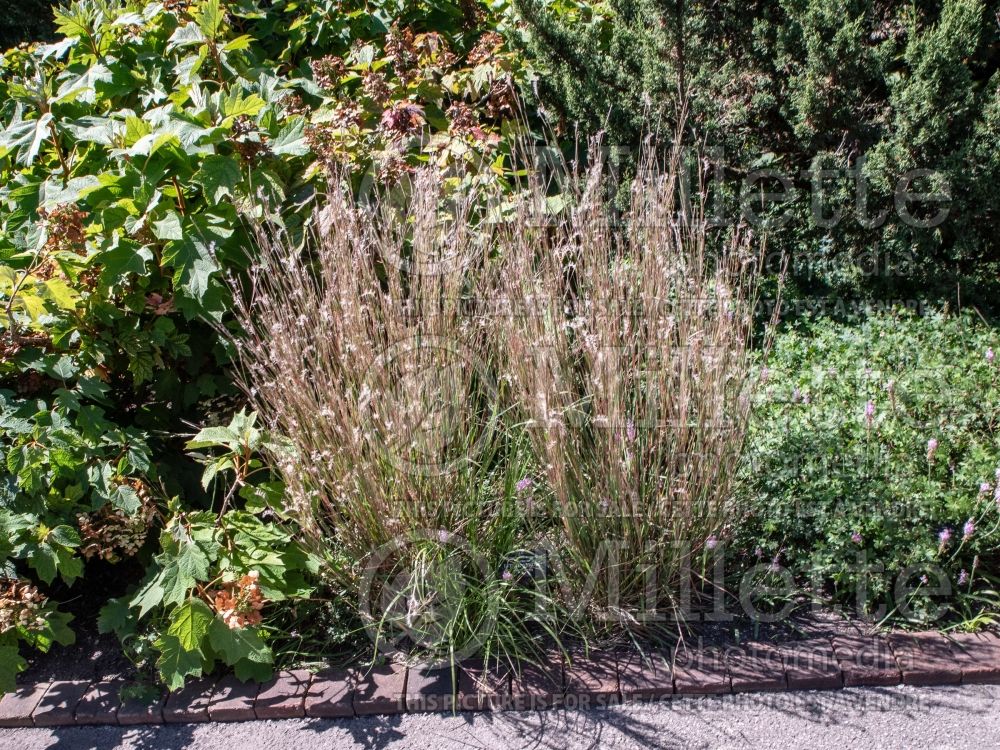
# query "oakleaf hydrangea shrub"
(874, 463)
(132, 147)
(214, 593)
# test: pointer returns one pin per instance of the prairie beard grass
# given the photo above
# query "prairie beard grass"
(464, 398)
(629, 348)
(361, 352)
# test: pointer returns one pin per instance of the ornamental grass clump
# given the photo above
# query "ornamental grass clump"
(496, 414)
(361, 352)
(629, 346)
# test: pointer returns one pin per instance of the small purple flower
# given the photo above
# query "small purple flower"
(759, 552)
(506, 575)
(923, 580)
(712, 542)
(630, 431)
(932, 446)
(963, 577)
(944, 536)
(523, 485)
(443, 536)
(990, 356)
(985, 488)
(968, 530)
(857, 538)
(869, 413)
(764, 374)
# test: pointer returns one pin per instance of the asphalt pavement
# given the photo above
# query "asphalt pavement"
(965, 716)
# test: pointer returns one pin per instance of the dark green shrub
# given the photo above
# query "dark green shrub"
(790, 85)
(26, 21)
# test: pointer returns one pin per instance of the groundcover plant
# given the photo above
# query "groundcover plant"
(872, 468)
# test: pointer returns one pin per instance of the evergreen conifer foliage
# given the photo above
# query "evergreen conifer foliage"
(793, 85)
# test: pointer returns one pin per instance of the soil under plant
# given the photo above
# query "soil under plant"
(94, 656)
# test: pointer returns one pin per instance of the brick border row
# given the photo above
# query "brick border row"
(575, 680)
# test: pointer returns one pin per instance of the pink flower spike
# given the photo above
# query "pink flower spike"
(990, 356)
(869, 413)
(944, 536)
(968, 530)
(932, 446)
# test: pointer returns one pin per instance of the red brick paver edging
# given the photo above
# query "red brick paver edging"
(578, 680)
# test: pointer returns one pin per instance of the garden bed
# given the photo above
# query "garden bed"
(322, 325)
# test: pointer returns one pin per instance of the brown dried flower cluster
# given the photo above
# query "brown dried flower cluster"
(433, 51)
(392, 166)
(488, 46)
(64, 233)
(64, 229)
(401, 119)
(462, 121)
(502, 99)
(376, 87)
(20, 604)
(473, 14)
(326, 139)
(327, 71)
(239, 602)
(400, 49)
(293, 104)
(112, 535)
(247, 141)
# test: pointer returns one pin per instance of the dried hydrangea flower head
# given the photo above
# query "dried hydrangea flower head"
(64, 228)
(20, 604)
(110, 533)
(239, 602)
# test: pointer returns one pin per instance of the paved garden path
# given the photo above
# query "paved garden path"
(899, 717)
